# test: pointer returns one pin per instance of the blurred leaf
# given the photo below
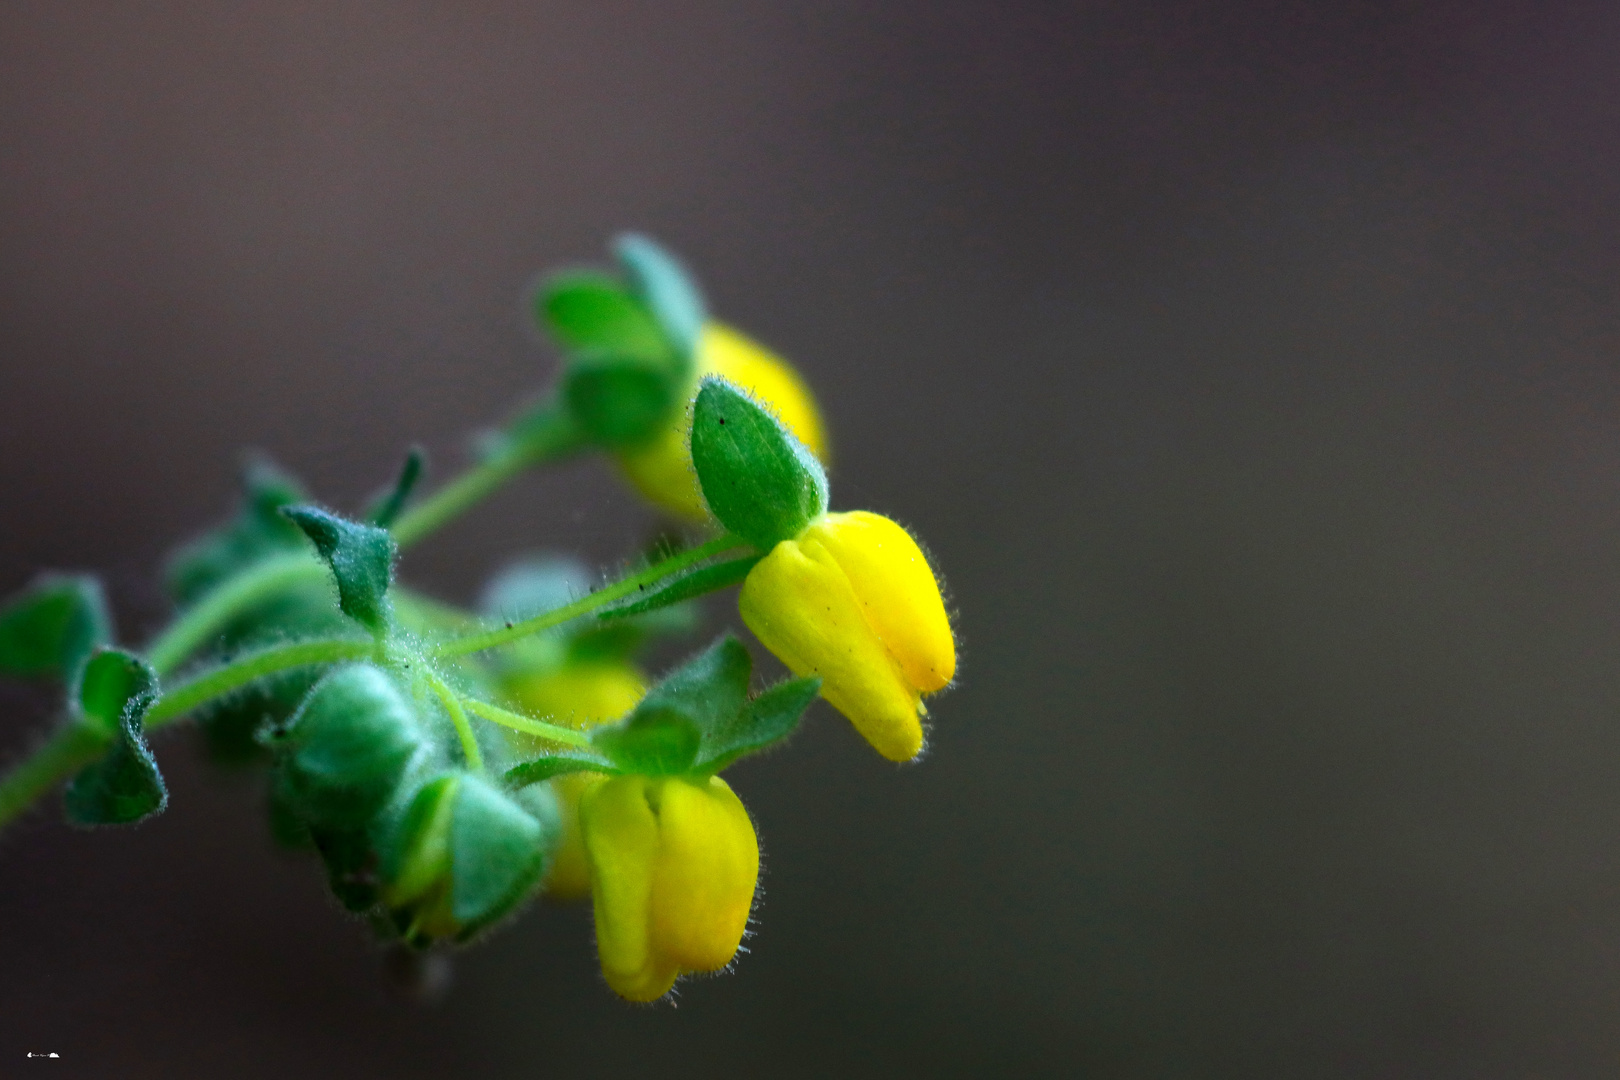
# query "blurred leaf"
(388, 506)
(620, 399)
(51, 627)
(659, 281)
(257, 531)
(590, 311)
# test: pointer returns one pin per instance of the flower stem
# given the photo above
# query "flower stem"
(458, 716)
(527, 725)
(548, 435)
(72, 746)
(182, 699)
(217, 608)
(600, 598)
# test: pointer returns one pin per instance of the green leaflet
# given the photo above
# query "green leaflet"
(698, 720)
(50, 628)
(125, 785)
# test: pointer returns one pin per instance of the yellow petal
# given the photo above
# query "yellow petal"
(801, 606)
(569, 876)
(661, 469)
(580, 695)
(898, 592)
(708, 864)
(621, 846)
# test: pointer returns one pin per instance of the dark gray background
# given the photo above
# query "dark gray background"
(1250, 369)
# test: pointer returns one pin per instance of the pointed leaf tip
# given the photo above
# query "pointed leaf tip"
(361, 558)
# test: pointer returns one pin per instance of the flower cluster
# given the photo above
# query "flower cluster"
(446, 765)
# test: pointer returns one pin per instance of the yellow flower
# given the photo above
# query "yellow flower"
(852, 599)
(661, 469)
(580, 694)
(673, 864)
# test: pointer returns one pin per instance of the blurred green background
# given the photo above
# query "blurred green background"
(1251, 370)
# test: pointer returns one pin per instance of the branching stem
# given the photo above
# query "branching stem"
(296, 654)
(586, 604)
(216, 609)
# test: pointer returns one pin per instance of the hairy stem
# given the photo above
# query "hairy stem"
(72, 746)
(519, 722)
(182, 699)
(216, 609)
(600, 598)
(549, 436)
(458, 716)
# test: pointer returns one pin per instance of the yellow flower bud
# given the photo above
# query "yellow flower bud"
(852, 599)
(579, 694)
(661, 469)
(673, 864)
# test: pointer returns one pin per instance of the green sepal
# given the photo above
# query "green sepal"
(361, 558)
(544, 768)
(590, 311)
(345, 750)
(497, 852)
(662, 735)
(50, 628)
(700, 582)
(659, 281)
(388, 505)
(620, 398)
(463, 854)
(759, 481)
(767, 720)
(257, 532)
(124, 786)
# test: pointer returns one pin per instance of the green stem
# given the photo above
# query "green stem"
(618, 591)
(458, 716)
(69, 749)
(216, 609)
(519, 722)
(548, 435)
(182, 699)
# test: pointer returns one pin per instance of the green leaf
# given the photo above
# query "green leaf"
(650, 742)
(768, 719)
(699, 582)
(388, 506)
(257, 532)
(51, 627)
(544, 768)
(586, 310)
(361, 558)
(661, 736)
(125, 785)
(660, 282)
(759, 481)
(618, 398)
(708, 689)
(497, 854)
